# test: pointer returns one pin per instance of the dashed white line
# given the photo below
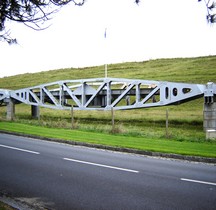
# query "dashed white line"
(101, 165)
(19, 149)
(198, 181)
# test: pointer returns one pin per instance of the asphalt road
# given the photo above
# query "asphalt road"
(58, 176)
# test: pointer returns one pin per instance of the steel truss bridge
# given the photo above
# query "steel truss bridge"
(108, 93)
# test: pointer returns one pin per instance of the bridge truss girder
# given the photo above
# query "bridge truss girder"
(108, 93)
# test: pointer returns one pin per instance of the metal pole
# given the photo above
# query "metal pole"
(105, 66)
(105, 70)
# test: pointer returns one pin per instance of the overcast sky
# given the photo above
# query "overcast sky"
(75, 38)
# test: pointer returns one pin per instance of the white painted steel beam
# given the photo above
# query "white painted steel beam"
(108, 93)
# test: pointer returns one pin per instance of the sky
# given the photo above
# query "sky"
(75, 37)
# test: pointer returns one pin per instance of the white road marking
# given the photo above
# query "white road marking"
(197, 181)
(101, 165)
(19, 149)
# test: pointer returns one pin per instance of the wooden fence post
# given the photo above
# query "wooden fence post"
(113, 120)
(72, 117)
(167, 123)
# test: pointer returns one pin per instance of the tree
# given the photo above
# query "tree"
(34, 13)
(210, 6)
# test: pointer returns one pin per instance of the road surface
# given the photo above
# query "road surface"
(51, 175)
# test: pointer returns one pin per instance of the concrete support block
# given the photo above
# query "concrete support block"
(210, 107)
(35, 112)
(211, 134)
(10, 109)
(209, 116)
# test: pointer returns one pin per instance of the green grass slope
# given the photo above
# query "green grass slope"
(204, 149)
(189, 70)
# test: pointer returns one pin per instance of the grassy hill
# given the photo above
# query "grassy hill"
(185, 121)
(189, 70)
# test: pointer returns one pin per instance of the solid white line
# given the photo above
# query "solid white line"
(101, 165)
(197, 181)
(19, 149)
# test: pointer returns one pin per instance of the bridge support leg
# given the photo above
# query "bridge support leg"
(35, 112)
(10, 109)
(209, 116)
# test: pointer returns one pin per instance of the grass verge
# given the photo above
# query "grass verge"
(202, 149)
(4, 206)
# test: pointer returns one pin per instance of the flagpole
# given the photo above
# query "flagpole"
(105, 66)
(106, 70)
